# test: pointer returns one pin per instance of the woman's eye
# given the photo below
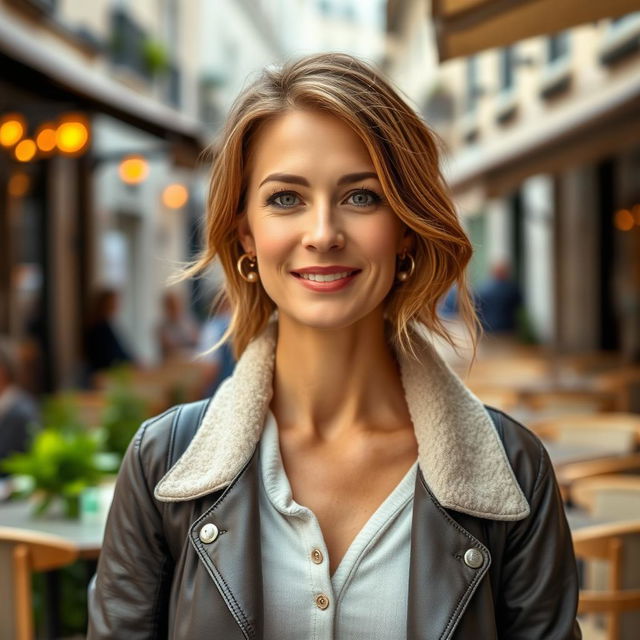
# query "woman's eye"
(364, 198)
(284, 199)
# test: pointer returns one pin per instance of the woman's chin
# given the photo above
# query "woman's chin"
(323, 319)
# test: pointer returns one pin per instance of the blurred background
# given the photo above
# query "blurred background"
(105, 110)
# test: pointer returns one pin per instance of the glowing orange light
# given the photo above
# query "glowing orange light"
(623, 220)
(175, 196)
(19, 184)
(72, 136)
(46, 137)
(12, 128)
(636, 213)
(25, 150)
(133, 169)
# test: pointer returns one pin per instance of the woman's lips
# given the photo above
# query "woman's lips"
(328, 287)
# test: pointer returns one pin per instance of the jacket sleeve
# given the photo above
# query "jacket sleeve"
(128, 596)
(538, 598)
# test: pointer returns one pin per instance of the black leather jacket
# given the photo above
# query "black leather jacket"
(157, 579)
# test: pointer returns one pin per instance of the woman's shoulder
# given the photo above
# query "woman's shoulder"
(162, 439)
(525, 452)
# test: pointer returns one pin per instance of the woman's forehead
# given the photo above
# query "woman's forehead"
(301, 140)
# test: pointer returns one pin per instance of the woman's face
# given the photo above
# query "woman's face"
(316, 218)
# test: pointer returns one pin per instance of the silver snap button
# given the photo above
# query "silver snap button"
(473, 558)
(208, 533)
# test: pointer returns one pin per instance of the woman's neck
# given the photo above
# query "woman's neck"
(329, 383)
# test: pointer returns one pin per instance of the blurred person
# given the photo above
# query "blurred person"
(449, 306)
(498, 300)
(220, 360)
(343, 482)
(177, 331)
(18, 411)
(104, 348)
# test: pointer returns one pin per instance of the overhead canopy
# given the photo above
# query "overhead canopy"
(465, 27)
(31, 62)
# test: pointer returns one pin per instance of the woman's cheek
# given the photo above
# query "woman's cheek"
(379, 239)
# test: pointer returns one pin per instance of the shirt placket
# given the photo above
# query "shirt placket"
(322, 601)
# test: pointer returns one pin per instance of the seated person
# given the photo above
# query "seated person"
(18, 411)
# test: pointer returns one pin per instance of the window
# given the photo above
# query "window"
(557, 46)
(507, 68)
(473, 88)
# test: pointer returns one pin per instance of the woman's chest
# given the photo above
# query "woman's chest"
(344, 491)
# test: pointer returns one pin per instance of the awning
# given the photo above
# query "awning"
(465, 27)
(36, 64)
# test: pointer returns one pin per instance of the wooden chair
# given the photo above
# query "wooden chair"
(617, 545)
(624, 384)
(611, 497)
(23, 552)
(504, 399)
(570, 473)
(508, 372)
(592, 362)
(614, 431)
(561, 402)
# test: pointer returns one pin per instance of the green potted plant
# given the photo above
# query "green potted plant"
(61, 461)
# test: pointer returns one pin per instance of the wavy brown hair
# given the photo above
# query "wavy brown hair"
(405, 154)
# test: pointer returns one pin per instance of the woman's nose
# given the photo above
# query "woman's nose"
(323, 232)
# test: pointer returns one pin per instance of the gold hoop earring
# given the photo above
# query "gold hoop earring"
(403, 275)
(252, 274)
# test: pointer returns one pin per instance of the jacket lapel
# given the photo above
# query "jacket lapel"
(441, 583)
(233, 559)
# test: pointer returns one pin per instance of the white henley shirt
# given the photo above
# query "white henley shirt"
(368, 593)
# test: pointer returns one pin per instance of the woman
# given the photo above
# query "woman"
(343, 483)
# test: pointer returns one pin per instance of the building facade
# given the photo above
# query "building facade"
(542, 144)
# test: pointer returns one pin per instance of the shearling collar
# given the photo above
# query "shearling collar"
(459, 451)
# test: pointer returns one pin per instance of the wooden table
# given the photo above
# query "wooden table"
(86, 536)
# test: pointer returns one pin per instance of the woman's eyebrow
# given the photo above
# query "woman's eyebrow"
(292, 179)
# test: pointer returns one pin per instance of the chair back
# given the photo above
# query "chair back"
(618, 598)
(609, 497)
(23, 552)
(613, 431)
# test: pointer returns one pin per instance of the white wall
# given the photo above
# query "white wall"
(538, 262)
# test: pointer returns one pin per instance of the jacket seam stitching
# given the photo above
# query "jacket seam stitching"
(152, 421)
(140, 438)
(238, 613)
(476, 578)
(464, 599)
(449, 519)
(540, 474)
(172, 439)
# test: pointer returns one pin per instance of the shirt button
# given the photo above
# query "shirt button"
(322, 602)
(316, 556)
(473, 558)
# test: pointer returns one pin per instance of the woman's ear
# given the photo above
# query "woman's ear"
(244, 234)
(408, 240)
